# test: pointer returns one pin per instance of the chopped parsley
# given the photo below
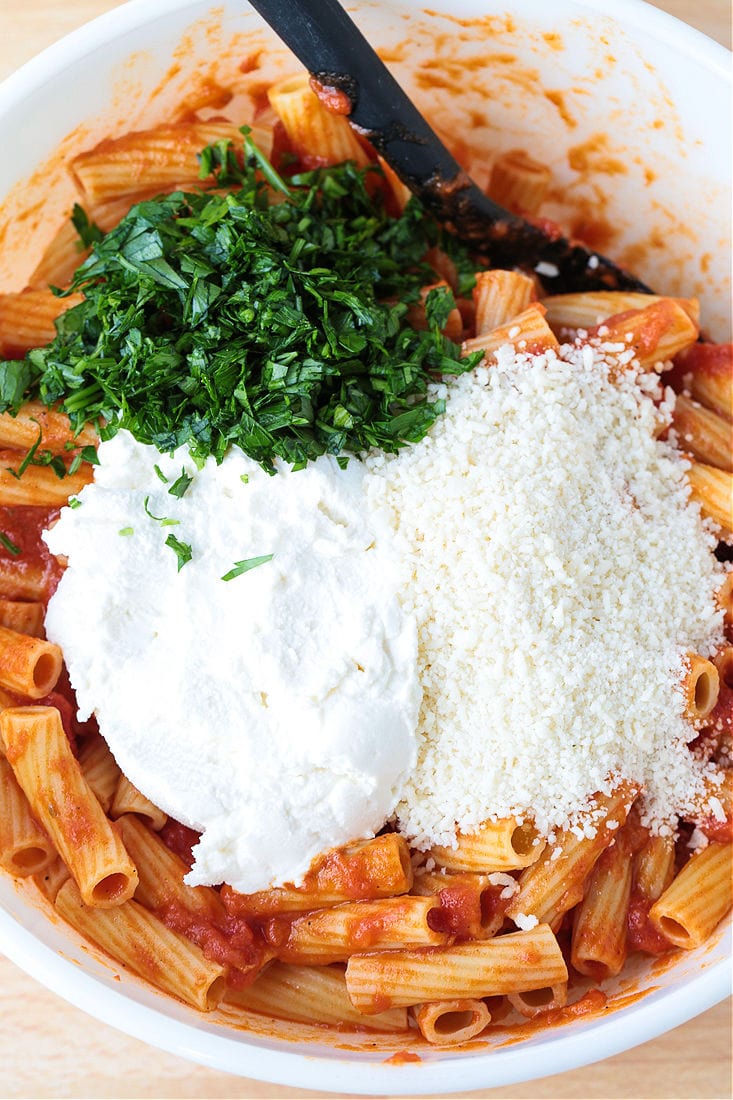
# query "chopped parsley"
(272, 316)
(183, 551)
(164, 521)
(245, 566)
(180, 485)
(9, 545)
(126, 531)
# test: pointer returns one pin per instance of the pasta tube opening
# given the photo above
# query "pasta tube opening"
(113, 888)
(702, 685)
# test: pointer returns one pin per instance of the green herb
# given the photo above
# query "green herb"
(160, 474)
(86, 454)
(28, 458)
(164, 521)
(274, 322)
(180, 485)
(9, 545)
(74, 502)
(15, 377)
(244, 478)
(126, 531)
(245, 566)
(183, 551)
(89, 232)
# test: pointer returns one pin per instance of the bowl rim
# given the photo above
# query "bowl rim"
(236, 1053)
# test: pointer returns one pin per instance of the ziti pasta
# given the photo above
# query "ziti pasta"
(362, 638)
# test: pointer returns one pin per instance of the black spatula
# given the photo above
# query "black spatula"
(324, 38)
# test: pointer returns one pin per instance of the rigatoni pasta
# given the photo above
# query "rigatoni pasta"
(38, 751)
(458, 934)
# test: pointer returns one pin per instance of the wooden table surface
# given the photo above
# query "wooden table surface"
(49, 1049)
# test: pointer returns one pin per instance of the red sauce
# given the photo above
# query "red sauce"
(657, 320)
(180, 839)
(34, 565)
(641, 935)
(401, 1058)
(229, 941)
(711, 358)
(333, 99)
(459, 913)
(720, 832)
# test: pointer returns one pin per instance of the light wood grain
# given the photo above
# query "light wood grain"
(49, 1049)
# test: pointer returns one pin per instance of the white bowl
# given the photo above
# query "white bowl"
(640, 101)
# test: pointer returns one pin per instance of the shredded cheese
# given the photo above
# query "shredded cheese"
(558, 573)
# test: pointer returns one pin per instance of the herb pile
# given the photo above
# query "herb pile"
(271, 316)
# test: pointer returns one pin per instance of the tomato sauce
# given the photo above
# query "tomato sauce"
(180, 839)
(230, 941)
(641, 935)
(28, 570)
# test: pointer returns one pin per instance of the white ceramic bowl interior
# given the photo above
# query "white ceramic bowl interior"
(631, 113)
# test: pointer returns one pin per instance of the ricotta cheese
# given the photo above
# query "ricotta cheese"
(275, 711)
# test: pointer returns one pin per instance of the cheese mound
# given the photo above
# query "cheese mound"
(558, 575)
(275, 711)
(491, 622)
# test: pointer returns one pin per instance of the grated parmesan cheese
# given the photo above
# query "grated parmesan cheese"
(558, 573)
(526, 923)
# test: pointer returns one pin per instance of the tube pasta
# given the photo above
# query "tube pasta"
(701, 686)
(689, 910)
(471, 906)
(62, 257)
(25, 848)
(22, 583)
(599, 930)
(100, 770)
(401, 193)
(310, 995)
(653, 868)
(63, 802)
(49, 428)
(38, 486)
(499, 297)
(416, 316)
(151, 160)
(28, 666)
(713, 490)
(725, 599)
(708, 436)
(127, 799)
(27, 319)
(710, 377)
(519, 182)
(534, 1002)
(654, 334)
(529, 331)
(376, 868)
(161, 873)
(447, 1023)
(123, 888)
(591, 308)
(311, 128)
(552, 886)
(504, 964)
(331, 935)
(140, 942)
(503, 845)
(22, 616)
(50, 881)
